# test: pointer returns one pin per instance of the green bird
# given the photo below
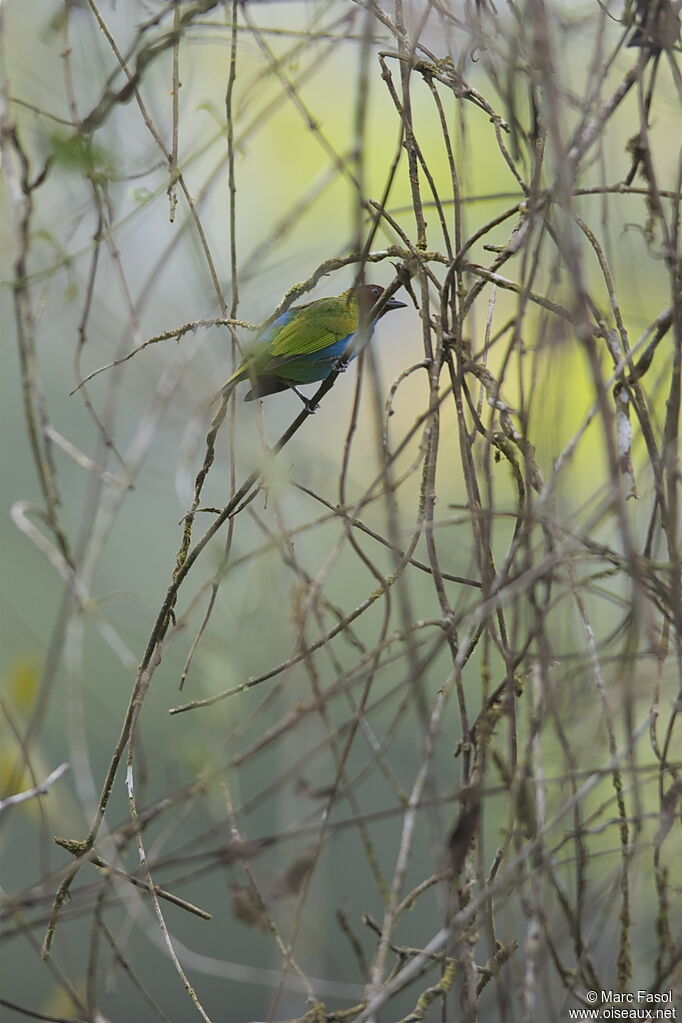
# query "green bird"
(306, 343)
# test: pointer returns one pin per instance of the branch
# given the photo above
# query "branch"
(37, 790)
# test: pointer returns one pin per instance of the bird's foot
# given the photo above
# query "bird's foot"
(309, 405)
(340, 365)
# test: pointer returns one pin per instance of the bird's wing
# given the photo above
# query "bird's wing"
(315, 327)
(258, 354)
(300, 331)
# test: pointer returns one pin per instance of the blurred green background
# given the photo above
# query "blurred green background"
(294, 210)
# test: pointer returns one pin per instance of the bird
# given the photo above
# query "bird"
(306, 343)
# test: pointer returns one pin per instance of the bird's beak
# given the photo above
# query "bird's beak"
(393, 303)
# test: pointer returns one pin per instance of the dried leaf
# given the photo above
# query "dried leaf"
(291, 881)
(248, 907)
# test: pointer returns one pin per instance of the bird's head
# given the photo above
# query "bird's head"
(369, 294)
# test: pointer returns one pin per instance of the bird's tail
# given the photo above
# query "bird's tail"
(229, 385)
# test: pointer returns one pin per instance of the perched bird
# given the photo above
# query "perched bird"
(306, 343)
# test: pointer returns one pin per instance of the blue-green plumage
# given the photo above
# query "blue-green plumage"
(305, 343)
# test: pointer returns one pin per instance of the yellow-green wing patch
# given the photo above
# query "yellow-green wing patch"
(316, 327)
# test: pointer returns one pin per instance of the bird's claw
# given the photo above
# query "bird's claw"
(340, 365)
(308, 404)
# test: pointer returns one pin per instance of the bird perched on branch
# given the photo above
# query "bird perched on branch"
(307, 342)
